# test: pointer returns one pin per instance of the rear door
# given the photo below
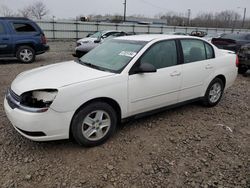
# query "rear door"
(5, 41)
(197, 67)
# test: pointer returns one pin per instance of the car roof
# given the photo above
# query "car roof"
(150, 37)
(108, 31)
(14, 18)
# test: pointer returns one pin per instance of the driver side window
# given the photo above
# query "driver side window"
(162, 54)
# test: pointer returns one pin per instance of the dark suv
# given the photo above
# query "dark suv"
(21, 38)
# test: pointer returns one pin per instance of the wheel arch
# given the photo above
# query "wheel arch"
(223, 79)
(113, 103)
(24, 44)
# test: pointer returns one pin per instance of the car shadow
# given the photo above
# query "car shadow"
(15, 61)
(9, 61)
(158, 114)
(247, 74)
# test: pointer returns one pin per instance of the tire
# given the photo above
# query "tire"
(93, 124)
(25, 54)
(214, 93)
(242, 70)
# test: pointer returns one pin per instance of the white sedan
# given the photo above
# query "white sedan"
(121, 78)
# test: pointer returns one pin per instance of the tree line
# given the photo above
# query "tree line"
(227, 18)
(36, 10)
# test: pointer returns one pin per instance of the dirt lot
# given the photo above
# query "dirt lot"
(190, 146)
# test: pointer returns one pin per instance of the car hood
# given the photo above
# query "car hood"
(86, 46)
(87, 40)
(55, 76)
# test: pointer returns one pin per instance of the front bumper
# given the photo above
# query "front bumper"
(46, 126)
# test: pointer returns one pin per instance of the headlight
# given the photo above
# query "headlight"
(38, 100)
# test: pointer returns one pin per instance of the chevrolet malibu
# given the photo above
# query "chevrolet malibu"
(121, 78)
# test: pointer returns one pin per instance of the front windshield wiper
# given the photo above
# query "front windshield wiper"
(91, 65)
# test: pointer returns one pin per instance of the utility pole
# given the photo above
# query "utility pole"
(244, 17)
(125, 9)
(189, 15)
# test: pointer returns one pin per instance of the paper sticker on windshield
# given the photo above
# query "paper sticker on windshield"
(127, 53)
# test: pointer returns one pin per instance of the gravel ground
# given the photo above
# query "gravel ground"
(190, 146)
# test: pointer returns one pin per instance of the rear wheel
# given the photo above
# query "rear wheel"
(214, 93)
(25, 54)
(94, 124)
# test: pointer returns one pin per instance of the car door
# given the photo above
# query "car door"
(5, 41)
(148, 91)
(197, 67)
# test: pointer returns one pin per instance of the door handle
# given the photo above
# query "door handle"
(175, 73)
(208, 66)
(6, 39)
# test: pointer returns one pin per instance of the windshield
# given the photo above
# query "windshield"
(96, 35)
(112, 55)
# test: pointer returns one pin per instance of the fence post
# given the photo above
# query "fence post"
(53, 28)
(97, 26)
(76, 29)
(133, 26)
(161, 29)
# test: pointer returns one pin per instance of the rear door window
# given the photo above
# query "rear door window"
(23, 27)
(193, 50)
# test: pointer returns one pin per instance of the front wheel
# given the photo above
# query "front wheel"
(214, 93)
(94, 124)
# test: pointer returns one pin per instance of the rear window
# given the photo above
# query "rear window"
(23, 27)
(1, 28)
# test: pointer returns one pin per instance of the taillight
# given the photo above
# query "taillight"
(43, 39)
(237, 61)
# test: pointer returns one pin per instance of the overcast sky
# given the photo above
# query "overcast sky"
(73, 8)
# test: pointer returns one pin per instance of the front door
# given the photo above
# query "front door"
(149, 91)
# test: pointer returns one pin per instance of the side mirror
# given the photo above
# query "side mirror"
(97, 40)
(88, 35)
(145, 68)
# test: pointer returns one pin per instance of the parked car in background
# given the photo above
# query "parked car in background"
(198, 33)
(84, 47)
(99, 36)
(209, 37)
(121, 78)
(21, 38)
(240, 44)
